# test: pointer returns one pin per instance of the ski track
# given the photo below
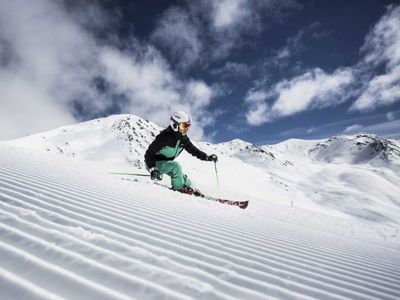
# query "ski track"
(64, 239)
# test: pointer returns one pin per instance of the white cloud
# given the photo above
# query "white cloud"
(232, 20)
(258, 110)
(296, 44)
(51, 63)
(227, 13)
(152, 88)
(312, 130)
(317, 89)
(356, 128)
(256, 96)
(202, 30)
(180, 36)
(46, 62)
(242, 15)
(380, 90)
(382, 49)
(257, 114)
(233, 70)
(198, 93)
(382, 44)
(26, 109)
(314, 89)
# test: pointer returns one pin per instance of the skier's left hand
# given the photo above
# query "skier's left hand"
(212, 157)
(155, 174)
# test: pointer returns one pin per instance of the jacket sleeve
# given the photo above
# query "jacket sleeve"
(192, 149)
(154, 147)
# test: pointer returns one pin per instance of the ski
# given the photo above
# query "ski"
(239, 203)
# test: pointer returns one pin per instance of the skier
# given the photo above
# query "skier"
(167, 146)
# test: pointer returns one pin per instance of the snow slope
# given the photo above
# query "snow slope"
(70, 230)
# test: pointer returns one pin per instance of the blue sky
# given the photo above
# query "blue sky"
(262, 71)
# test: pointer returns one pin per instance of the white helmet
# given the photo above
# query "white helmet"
(180, 117)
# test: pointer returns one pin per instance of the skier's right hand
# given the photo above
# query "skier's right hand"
(155, 174)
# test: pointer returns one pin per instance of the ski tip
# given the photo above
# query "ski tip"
(244, 204)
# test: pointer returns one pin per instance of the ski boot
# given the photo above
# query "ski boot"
(190, 191)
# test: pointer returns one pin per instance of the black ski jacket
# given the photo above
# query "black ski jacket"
(168, 145)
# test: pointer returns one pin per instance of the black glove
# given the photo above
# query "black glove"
(212, 157)
(155, 174)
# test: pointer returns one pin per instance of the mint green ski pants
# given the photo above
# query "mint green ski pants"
(174, 170)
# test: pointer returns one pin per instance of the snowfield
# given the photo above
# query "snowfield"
(323, 220)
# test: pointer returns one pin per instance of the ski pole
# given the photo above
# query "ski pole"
(131, 174)
(216, 173)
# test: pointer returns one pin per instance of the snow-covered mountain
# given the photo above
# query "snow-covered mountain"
(312, 174)
(323, 220)
(364, 148)
(116, 139)
(126, 137)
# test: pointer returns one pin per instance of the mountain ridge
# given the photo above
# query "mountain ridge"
(134, 134)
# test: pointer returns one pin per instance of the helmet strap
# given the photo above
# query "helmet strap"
(175, 125)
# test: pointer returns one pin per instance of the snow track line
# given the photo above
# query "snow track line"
(209, 267)
(76, 186)
(37, 210)
(249, 282)
(88, 268)
(132, 221)
(47, 226)
(126, 246)
(13, 286)
(343, 278)
(192, 284)
(351, 259)
(62, 280)
(355, 287)
(294, 245)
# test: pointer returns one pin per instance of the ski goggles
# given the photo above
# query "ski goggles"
(184, 125)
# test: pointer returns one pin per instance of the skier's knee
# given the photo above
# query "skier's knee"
(177, 169)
